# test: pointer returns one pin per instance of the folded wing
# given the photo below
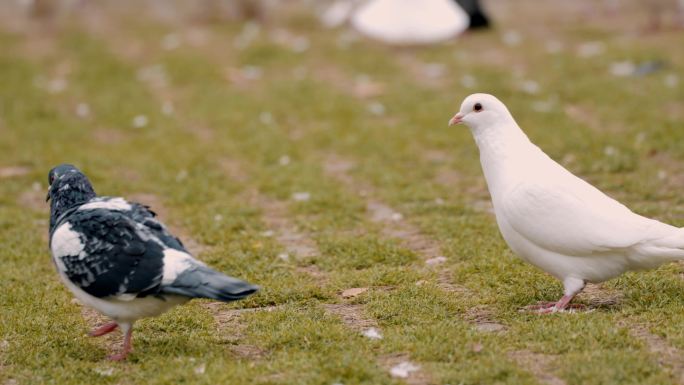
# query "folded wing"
(576, 219)
(105, 253)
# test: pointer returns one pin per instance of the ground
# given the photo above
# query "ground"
(319, 165)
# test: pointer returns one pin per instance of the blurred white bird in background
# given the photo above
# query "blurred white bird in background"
(410, 21)
(407, 22)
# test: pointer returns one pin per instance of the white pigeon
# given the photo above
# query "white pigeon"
(555, 220)
(410, 21)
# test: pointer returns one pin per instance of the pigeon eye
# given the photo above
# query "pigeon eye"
(477, 107)
(52, 178)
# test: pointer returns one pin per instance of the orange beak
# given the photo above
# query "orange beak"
(458, 118)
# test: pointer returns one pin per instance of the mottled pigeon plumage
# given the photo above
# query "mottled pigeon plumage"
(116, 257)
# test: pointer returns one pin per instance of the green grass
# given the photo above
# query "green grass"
(399, 156)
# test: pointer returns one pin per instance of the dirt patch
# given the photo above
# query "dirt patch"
(598, 296)
(671, 169)
(393, 363)
(227, 319)
(666, 354)
(352, 316)
(314, 271)
(360, 87)
(540, 365)
(13, 171)
(394, 224)
(437, 156)
(231, 330)
(583, 115)
(353, 292)
(295, 242)
(483, 319)
(448, 177)
(233, 169)
(153, 76)
(380, 212)
(216, 308)
(339, 169)
(108, 136)
(249, 352)
(444, 283)
(428, 75)
(40, 43)
(34, 199)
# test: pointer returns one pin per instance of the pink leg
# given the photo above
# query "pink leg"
(127, 346)
(104, 329)
(562, 304)
(572, 286)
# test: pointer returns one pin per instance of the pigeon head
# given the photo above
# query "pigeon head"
(68, 187)
(482, 111)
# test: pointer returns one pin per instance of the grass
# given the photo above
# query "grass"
(222, 170)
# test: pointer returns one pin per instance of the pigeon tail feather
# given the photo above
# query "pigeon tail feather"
(668, 248)
(203, 282)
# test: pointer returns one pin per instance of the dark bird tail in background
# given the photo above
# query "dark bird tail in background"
(478, 19)
(203, 282)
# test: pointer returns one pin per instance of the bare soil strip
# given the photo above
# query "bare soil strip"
(540, 365)
(275, 215)
(13, 171)
(352, 316)
(231, 330)
(394, 224)
(667, 355)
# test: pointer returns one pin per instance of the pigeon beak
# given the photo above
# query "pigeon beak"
(47, 198)
(458, 118)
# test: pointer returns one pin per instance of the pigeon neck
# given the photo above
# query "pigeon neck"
(66, 199)
(501, 142)
(501, 149)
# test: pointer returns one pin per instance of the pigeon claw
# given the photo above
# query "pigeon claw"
(127, 345)
(553, 307)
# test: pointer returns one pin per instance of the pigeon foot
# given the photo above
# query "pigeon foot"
(539, 306)
(104, 329)
(127, 346)
(569, 308)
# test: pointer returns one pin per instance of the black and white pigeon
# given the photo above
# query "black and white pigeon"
(116, 257)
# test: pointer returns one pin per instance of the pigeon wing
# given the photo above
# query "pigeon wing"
(574, 219)
(144, 215)
(105, 253)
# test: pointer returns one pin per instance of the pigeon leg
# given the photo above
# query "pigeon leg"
(104, 329)
(127, 346)
(572, 286)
